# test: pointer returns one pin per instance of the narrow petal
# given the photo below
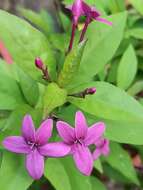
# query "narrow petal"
(57, 149)
(16, 144)
(106, 148)
(44, 132)
(94, 133)
(83, 160)
(28, 129)
(35, 164)
(66, 132)
(96, 153)
(103, 21)
(80, 125)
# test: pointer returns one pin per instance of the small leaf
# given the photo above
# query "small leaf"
(13, 174)
(96, 184)
(71, 65)
(136, 33)
(57, 175)
(135, 88)
(29, 87)
(54, 96)
(138, 5)
(120, 160)
(98, 165)
(127, 68)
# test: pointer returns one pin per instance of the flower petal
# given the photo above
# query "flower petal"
(106, 148)
(35, 164)
(83, 160)
(44, 132)
(66, 132)
(77, 10)
(103, 21)
(94, 133)
(28, 129)
(80, 125)
(16, 144)
(57, 149)
(96, 153)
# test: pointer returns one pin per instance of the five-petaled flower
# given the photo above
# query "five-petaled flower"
(102, 148)
(34, 144)
(79, 139)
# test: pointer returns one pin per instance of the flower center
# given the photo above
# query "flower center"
(32, 145)
(78, 141)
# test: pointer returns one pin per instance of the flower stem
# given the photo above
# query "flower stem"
(72, 37)
(84, 30)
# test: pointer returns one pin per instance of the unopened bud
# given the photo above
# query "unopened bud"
(90, 90)
(39, 63)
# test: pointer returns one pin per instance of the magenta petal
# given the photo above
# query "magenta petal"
(16, 144)
(66, 132)
(57, 149)
(94, 133)
(103, 21)
(35, 164)
(80, 125)
(106, 148)
(96, 153)
(44, 132)
(83, 160)
(77, 10)
(28, 129)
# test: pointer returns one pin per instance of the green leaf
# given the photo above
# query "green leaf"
(120, 160)
(57, 175)
(37, 19)
(102, 44)
(117, 5)
(10, 93)
(96, 184)
(124, 132)
(13, 174)
(98, 165)
(25, 43)
(127, 68)
(54, 96)
(64, 176)
(135, 88)
(71, 65)
(138, 5)
(110, 102)
(29, 88)
(136, 33)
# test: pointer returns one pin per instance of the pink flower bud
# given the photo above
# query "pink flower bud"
(90, 90)
(39, 63)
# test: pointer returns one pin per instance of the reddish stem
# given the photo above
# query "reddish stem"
(84, 30)
(72, 37)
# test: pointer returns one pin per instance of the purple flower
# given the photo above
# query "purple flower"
(102, 147)
(79, 138)
(80, 8)
(34, 145)
(77, 10)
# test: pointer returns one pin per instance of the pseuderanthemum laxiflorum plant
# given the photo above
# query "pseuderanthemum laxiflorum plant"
(76, 92)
